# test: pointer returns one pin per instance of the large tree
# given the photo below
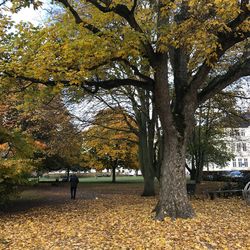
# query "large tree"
(190, 38)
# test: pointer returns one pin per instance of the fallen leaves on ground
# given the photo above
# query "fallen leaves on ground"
(116, 221)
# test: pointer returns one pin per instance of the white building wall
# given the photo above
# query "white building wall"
(238, 142)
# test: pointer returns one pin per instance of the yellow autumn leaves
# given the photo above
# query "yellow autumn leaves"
(124, 222)
(109, 139)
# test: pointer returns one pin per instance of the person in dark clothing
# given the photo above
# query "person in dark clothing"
(73, 185)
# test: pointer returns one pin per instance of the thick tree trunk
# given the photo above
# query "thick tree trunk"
(173, 199)
(149, 186)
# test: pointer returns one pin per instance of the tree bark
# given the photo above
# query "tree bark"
(149, 186)
(146, 143)
(113, 171)
(146, 165)
(173, 199)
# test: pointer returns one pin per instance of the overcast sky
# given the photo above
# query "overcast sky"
(29, 15)
(34, 16)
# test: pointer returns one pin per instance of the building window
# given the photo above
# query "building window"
(234, 163)
(233, 147)
(234, 132)
(238, 147)
(240, 162)
(246, 162)
(244, 146)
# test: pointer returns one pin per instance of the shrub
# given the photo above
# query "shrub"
(13, 173)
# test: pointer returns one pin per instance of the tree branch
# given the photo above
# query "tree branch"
(125, 117)
(226, 41)
(134, 6)
(214, 86)
(123, 11)
(3, 2)
(110, 84)
(78, 19)
(234, 96)
(137, 72)
(87, 85)
(127, 63)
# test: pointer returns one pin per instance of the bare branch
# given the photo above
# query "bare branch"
(3, 2)
(232, 95)
(125, 117)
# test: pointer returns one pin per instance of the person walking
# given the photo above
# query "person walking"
(73, 185)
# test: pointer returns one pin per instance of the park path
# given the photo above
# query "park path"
(47, 194)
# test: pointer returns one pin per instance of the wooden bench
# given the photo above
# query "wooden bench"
(223, 193)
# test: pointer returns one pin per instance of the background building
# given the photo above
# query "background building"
(238, 142)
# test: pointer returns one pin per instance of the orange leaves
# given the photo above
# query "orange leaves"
(40, 145)
(4, 146)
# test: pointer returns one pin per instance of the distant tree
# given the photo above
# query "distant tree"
(52, 127)
(110, 142)
(208, 143)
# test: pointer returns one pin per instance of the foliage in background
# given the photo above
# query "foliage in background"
(110, 140)
(209, 142)
(58, 139)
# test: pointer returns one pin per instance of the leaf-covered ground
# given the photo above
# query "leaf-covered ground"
(116, 217)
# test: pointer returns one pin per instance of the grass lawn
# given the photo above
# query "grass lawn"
(103, 179)
(122, 179)
(115, 216)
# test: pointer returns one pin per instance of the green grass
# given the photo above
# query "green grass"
(123, 179)
(119, 179)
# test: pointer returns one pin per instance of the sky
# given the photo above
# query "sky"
(30, 15)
